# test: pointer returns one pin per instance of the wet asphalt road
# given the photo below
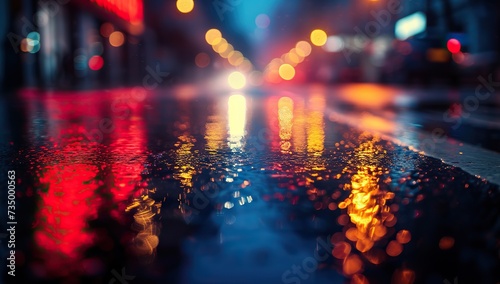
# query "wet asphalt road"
(177, 187)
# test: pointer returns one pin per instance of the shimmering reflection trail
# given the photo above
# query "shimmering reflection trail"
(236, 188)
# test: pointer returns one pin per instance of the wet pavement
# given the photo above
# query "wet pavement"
(124, 186)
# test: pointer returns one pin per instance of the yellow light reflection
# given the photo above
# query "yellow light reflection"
(367, 204)
(237, 108)
(299, 126)
(285, 116)
(215, 132)
(184, 168)
(148, 229)
(315, 124)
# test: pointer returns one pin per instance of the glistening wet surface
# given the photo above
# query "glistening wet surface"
(128, 187)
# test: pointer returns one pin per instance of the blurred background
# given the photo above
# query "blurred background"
(370, 125)
(88, 44)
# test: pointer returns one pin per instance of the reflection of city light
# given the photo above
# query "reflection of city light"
(236, 80)
(286, 71)
(367, 206)
(318, 37)
(146, 240)
(116, 38)
(315, 124)
(213, 36)
(62, 231)
(215, 131)
(96, 62)
(185, 6)
(298, 130)
(184, 151)
(237, 108)
(285, 116)
(202, 60)
(184, 154)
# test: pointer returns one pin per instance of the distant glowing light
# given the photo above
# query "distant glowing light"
(106, 29)
(292, 58)
(221, 46)
(262, 21)
(96, 62)
(394, 248)
(446, 243)
(286, 71)
(236, 58)
(453, 45)
(334, 44)
(227, 52)
(352, 264)
(31, 43)
(303, 48)
(202, 60)
(25, 47)
(213, 36)
(410, 25)
(236, 80)
(437, 55)
(116, 39)
(318, 37)
(403, 236)
(131, 11)
(185, 6)
(35, 36)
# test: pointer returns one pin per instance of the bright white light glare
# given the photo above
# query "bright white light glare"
(237, 80)
(334, 44)
(237, 109)
(410, 25)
